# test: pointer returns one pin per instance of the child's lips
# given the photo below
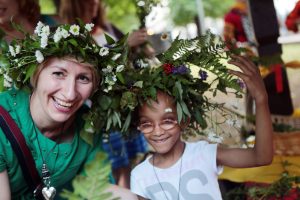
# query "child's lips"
(161, 140)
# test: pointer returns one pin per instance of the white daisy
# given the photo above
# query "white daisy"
(74, 29)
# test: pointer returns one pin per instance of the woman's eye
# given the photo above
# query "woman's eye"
(84, 79)
(58, 74)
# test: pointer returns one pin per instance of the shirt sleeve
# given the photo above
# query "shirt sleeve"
(210, 152)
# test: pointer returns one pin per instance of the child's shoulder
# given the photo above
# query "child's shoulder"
(143, 166)
(200, 145)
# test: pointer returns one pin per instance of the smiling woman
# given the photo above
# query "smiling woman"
(45, 80)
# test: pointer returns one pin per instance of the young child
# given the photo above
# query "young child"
(188, 171)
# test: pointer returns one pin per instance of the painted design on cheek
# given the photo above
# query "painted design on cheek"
(168, 110)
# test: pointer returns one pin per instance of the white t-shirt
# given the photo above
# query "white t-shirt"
(199, 176)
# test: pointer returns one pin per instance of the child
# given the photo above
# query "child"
(182, 170)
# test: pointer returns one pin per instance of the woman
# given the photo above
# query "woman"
(23, 12)
(63, 73)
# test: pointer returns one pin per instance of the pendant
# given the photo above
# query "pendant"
(49, 193)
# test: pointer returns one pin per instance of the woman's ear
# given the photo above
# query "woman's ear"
(183, 124)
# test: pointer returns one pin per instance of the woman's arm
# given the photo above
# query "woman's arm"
(262, 152)
(4, 183)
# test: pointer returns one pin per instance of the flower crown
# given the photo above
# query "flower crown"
(20, 58)
(183, 73)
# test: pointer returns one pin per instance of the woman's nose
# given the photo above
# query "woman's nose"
(70, 90)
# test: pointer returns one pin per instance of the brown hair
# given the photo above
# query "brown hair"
(30, 9)
(95, 75)
(70, 10)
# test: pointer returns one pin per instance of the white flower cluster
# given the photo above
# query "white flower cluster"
(110, 76)
(14, 50)
(7, 81)
(59, 34)
(142, 64)
(42, 31)
(213, 137)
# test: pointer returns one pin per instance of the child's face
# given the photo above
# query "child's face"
(158, 122)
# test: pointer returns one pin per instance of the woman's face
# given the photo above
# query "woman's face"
(62, 87)
(8, 9)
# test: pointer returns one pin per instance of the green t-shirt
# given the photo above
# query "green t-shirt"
(64, 160)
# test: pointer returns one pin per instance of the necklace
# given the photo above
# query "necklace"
(48, 191)
(179, 182)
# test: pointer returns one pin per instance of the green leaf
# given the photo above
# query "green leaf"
(30, 71)
(87, 137)
(4, 62)
(73, 42)
(120, 78)
(152, 92)
(179, 112)
(127, 122)
(105, 102)
(1, 83)
(185, 109)
(109, 39)
(109, 122)
(178, 90)
(138, 84)
(92, 184)
(3, 45)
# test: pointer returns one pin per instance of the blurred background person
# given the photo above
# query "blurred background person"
(22, 12)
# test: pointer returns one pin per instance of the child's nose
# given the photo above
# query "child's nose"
(157, 130)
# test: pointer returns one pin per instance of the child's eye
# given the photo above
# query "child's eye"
(84, 79)
(145, 125)
(168, 121)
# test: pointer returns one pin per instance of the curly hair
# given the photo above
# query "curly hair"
(30, 9)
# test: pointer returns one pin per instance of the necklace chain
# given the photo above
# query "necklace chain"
(179, 182)
(45, 171)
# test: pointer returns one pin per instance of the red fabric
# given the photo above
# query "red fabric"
(277, 68)
(234, 18)
(291, 20)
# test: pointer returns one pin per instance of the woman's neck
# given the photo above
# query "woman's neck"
(170, 158)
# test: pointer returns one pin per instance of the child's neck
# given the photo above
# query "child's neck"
(168, 159)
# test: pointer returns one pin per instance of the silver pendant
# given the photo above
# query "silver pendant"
(49, 193)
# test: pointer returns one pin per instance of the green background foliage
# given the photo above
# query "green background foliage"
(123, 13)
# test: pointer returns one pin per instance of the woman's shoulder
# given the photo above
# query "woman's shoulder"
(13, 98)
